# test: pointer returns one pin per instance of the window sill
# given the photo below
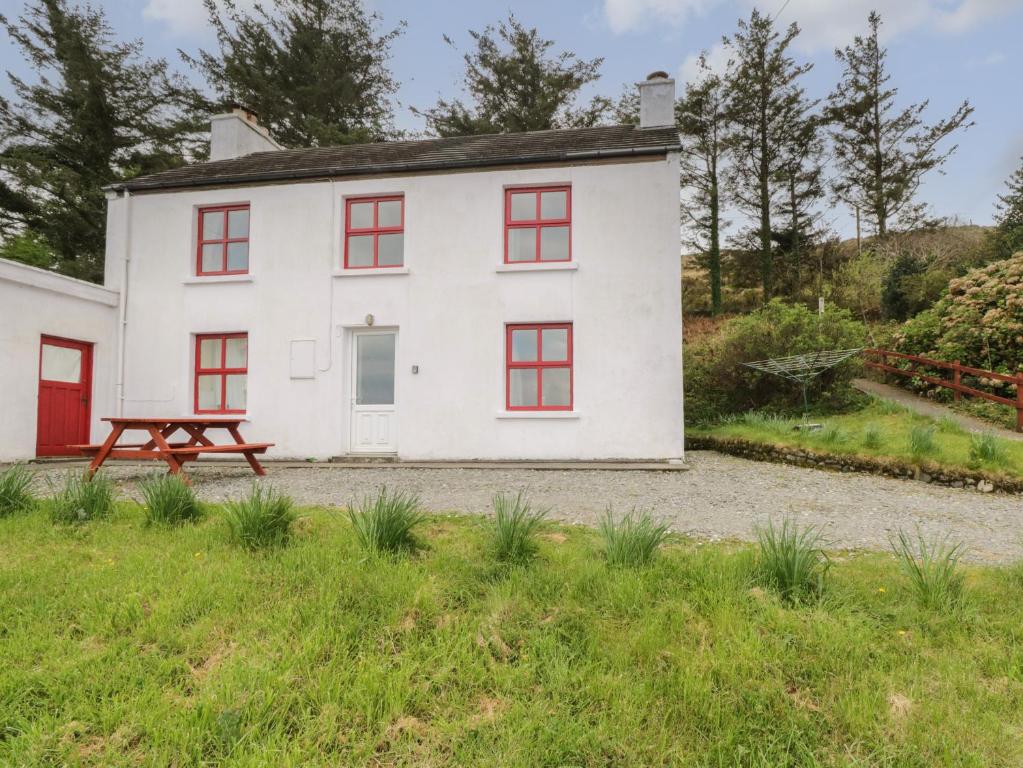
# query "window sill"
(538, 414)
(216, 279)
(530, 266)
(370, 272)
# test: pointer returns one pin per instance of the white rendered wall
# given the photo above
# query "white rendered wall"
(450, 305)
(33, 303)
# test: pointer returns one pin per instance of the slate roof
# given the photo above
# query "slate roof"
(556, 146)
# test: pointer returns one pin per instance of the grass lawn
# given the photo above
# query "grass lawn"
(879, 429)
(122, 644)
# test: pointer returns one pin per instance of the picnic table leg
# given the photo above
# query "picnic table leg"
(164, 449)
(104, 450)
(249, 456)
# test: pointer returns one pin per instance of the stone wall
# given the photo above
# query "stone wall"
(927, 471)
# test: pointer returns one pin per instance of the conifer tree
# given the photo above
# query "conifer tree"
(701, 117)
(765, 106)
(314, 70)
(881, 153)
(1008, 234)
(516, 83)
(94, 112)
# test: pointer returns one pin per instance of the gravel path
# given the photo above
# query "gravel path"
(721, 497)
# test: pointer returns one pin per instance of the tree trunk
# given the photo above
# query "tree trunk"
(714, 254)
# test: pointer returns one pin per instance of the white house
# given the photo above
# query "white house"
(510, 296)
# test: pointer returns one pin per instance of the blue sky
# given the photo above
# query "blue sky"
(942, 50)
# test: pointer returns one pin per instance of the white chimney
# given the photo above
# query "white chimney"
(238, 133)
(656, 101)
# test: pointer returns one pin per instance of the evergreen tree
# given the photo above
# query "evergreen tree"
(1008, 234)
(701, 116)
(766, 103)
(801, 176)
(314, 70)
(96, 112)
(882, 154)
(517, 84)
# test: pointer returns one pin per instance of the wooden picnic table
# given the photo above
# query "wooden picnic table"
(159, 447)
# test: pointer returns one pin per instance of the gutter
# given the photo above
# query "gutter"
(395, 168)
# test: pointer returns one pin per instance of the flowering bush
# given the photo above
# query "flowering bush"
(979, 321)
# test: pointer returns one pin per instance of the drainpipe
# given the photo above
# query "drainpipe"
(122, 326)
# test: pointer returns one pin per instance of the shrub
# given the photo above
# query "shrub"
(384, 523)
(873, 436)
(514, 528)
(933, 570)
(169, 499)
(16, 490)
(633, 540)
(718, 384)
(82, 498)
(262, 519)
(987, 447)
(792, 560)
(978, 321)
(921, 440)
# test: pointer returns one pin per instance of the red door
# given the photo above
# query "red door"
(65, 389)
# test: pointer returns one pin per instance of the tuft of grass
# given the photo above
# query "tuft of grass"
(169, 500)
(872, 436)
(16, 490)
(933, 569)
(987, 447)
(769, 422)
(832, 434)
(920, 440)
(385, 522)
(81, 498)
(514, 527)
(633, 540)
(791, 560)
(260, 520)
(950, 426)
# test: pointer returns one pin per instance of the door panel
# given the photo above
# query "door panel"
(374, 415)
(65, 392)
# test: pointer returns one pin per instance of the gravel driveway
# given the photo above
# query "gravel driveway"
(719, 497)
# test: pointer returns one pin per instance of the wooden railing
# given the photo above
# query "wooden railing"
(878, 359)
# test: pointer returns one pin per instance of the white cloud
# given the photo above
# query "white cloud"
(626, 15)
(717, 59)
(184, 17)
(824, 23)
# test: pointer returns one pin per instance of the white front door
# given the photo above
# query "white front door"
(374, 416)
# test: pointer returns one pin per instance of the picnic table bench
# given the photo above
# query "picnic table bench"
(176, 453)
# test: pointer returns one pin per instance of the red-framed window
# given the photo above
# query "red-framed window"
(223, 240)
(538, 362)
(375, 232)
(537, 224)
(221, 372)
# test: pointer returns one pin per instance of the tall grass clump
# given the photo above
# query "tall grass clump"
(920, 440)
(767, 422)
(16, 490)
(984, 446)
(873, 436)
(791, 560)
(385, 522)
(169, 500)
(632, 540)
(514, 528)
(832, 434)
(81, 498)
(933, 569)
(260, 520)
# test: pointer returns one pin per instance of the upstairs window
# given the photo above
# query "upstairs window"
(537, 225)
(223, 240)
(375, 232)
(221, 372)
(539, 367)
